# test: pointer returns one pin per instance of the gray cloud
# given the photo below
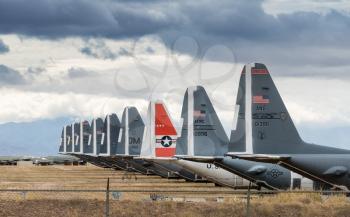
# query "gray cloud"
(80, 73)
(3, 47)
(229, 21)
(55, 19)
(36, 70)
(286, 40)
(98, 49)
(10, 76)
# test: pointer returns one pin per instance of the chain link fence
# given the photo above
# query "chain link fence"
(111, 202)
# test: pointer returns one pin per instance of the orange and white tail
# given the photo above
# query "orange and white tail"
(165, 132)
(161, 135)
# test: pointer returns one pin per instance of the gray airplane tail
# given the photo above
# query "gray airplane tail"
(263, 124)
(112, 128)
(87, 137)
(202, 132)
(130, 140)
(76, 137)
(98, 136)
(69, 140)
(63, 141)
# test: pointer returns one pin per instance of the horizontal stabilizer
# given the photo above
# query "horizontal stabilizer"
(336, 171)
(201, 159)
(258, 157)
(123, 156)
(151, 158)
(256, 170)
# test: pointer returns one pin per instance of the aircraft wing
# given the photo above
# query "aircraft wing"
(201, 159)
(155, 158)
(259, 157)
(124, 156)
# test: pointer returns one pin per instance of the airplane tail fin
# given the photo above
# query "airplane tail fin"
(262, 120)
(113, 133)
(263, 124)
(161, 134)
(76, 137)
(69, 139)
(131, 136)
(103, 145)
(62, 148)
(165, 132)
(202, 132)
(98, 136)
(87, 138)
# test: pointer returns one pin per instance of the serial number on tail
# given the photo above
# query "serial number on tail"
(201, 133)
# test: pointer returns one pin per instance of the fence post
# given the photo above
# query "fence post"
(107, 198)
(248, 200)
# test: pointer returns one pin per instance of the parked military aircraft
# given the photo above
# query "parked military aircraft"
(12, 160)
(53, 160)
(93, 142)
(201, 127)
(272, 137)
(129, 144)
(159, 143)
(206, 141)
(111, 144)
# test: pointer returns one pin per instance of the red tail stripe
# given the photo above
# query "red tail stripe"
(258, 72)
(165, 152)
(163, 123)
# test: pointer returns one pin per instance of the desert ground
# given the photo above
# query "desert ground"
(138, 195)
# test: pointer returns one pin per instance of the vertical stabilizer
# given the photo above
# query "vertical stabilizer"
(202, 132)
(136, 128)
(132, 132)
(114, 132)
(76, 137)
(264, 125)
(63, 141)
(165, 132)
(99, 136)
(69, 139)
(87, 138)
(81, 137)
(161, 135)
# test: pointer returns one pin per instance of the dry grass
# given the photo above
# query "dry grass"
(139, 204)
(77, 208)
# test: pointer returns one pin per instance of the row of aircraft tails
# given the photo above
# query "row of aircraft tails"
(264, 147)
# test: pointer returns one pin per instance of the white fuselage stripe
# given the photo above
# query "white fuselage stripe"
(102, 140)
(235, 118)
(190, 110)
(108, 135)
(73, 138)
(81, 137)
(65, 139)
(126, 132)
(248, 109)
(153, 129)
(94, 142)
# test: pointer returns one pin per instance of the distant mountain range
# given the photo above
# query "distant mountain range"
(42, 137)
(37, 138)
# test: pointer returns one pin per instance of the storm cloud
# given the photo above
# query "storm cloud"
(3, 47)
(230, 21)
(56, 19)
(10, 76)
(79, 73)
(98, 49)
(289, 41)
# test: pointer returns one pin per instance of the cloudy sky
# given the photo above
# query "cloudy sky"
(67, 60)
